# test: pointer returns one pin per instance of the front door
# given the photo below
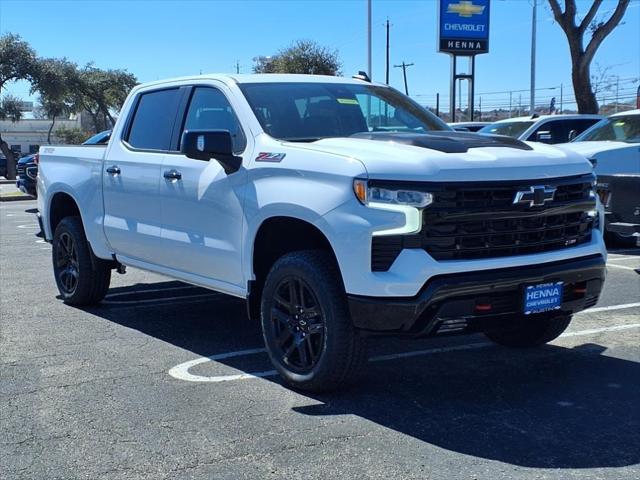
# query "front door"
(202, 211)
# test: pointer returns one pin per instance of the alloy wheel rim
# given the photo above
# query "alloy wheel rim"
(298, 325)
(67, 263)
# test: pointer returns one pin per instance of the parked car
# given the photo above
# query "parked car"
(613, 146)
(27, 174)
(3, 165)
(543, 128)
(292, 192)
(101, 138)
(468, 126)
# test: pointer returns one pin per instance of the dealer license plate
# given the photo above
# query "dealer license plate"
(543, 297)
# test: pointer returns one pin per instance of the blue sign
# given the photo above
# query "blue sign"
(543, 297)
(464, 26)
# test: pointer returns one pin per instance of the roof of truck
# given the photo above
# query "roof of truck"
(262, 78)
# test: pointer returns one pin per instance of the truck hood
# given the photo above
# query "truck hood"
(589, 149)
(395, 161)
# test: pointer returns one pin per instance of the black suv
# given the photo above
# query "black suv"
(27, 173)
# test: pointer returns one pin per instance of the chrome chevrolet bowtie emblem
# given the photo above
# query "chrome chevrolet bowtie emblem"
(465, 8)
(536, 196)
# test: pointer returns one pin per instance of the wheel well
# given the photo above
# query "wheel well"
(62, 205)
(276, 237)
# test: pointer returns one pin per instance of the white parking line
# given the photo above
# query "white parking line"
(623, 257)
(611, 307)
(181, 372)
(621, 266)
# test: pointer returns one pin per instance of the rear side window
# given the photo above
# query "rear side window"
(153, 120)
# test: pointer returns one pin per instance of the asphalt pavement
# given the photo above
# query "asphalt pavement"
(168, 381)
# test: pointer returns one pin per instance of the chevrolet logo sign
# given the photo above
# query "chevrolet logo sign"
(465, 9)
(536, 196)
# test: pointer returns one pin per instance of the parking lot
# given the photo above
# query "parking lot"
(166, 380)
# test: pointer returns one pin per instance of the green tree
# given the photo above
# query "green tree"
(101, 92)
(71, 136)
(17, 62)
(56, 80)
(581, 56)
(303, 56)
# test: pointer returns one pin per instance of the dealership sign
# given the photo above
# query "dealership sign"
(463, 27)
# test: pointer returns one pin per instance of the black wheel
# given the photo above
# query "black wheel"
(306, 324)
(620, 241)
(82, 278)
(533, 333)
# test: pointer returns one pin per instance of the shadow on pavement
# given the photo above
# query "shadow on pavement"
(553, 407)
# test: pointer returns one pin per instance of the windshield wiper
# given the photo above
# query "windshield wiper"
(301, 139)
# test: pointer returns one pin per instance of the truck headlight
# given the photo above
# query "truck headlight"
(368, 195)
(409, 202)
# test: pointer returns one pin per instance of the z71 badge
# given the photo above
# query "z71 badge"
(270, 157)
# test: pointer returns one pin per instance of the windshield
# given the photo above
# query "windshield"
(510, 129)
(622, 128)
(306, 112)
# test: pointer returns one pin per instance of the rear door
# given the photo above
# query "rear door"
(202, 213)
(132, 172)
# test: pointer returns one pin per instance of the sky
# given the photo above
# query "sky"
(168, 38)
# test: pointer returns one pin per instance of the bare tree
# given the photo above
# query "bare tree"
(581, 56)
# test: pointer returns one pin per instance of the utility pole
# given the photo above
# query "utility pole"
(519, 104)
(532, 106)
(510, 98)
(404, 74)
(437, 104)
(561, 97)
(387, 70)
(369, 71)
(237, 66)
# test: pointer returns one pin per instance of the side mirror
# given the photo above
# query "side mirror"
(544, 137)
(572, 134)
(208, 144)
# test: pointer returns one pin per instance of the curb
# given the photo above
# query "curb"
(7, 182)
(16, 198)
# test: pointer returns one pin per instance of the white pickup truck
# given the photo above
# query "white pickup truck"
(336, 207)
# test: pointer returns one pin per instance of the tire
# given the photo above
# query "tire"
(306, 324)
(81, 277)
(531, 334)
(620, 241)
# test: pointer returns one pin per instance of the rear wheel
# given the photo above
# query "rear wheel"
(306, 324)
(534, 333)
(82, 278)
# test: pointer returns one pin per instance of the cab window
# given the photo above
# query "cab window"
(209, 109)
(153, 119)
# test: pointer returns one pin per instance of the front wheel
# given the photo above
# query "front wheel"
(534, 333)
(82, 278)
(306, 324)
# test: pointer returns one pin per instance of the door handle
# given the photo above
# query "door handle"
(172, 175)
(113, 170)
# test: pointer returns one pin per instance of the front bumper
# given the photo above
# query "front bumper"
(458, 302)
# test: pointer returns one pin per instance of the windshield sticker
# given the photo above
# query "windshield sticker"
(348, 101)
(270, 157)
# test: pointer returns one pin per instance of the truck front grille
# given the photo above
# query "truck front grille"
(477, 221)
